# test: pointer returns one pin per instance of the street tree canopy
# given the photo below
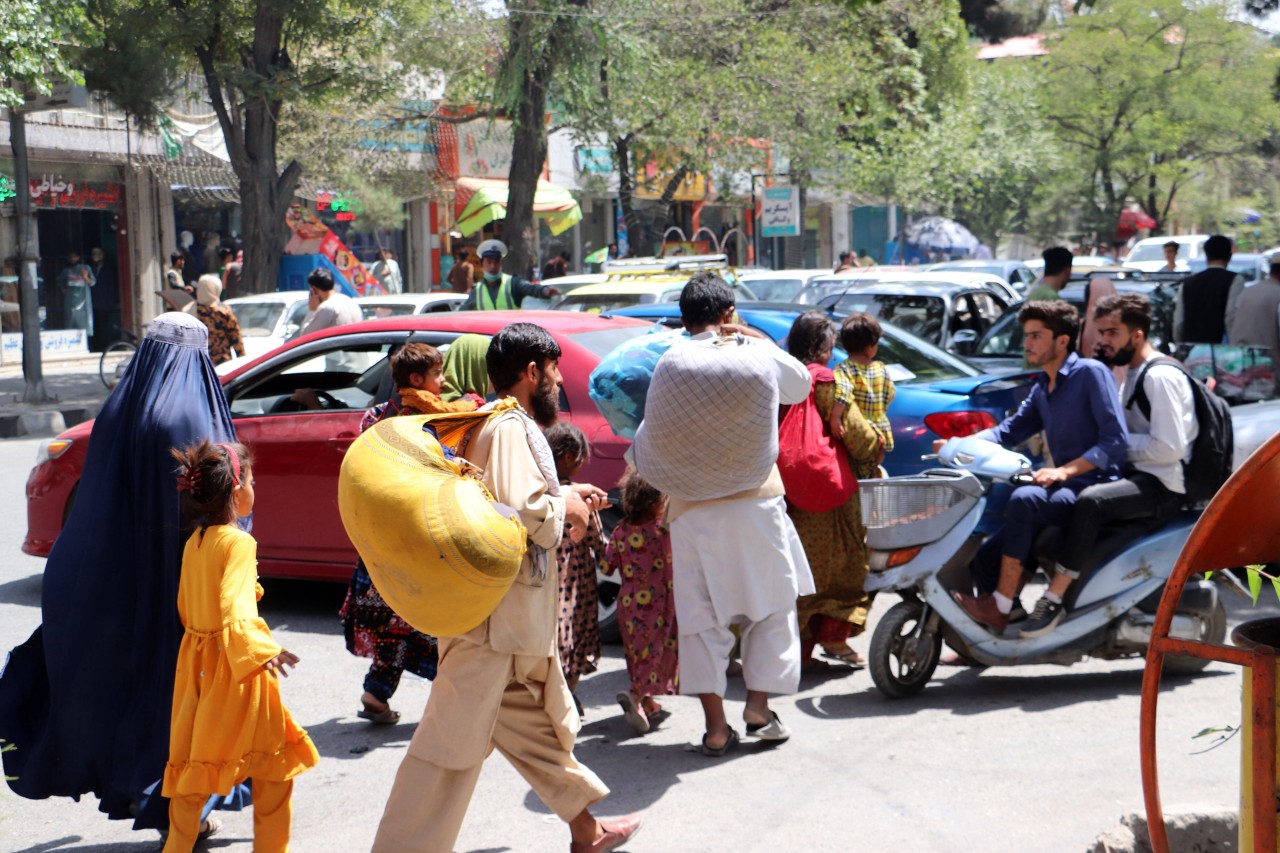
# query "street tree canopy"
(34, 37)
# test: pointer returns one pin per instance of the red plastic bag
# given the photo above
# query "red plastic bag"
(814, 465)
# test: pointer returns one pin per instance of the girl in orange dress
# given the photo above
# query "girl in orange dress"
(229, 723)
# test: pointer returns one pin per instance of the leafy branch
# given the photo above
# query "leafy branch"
(1255, 575)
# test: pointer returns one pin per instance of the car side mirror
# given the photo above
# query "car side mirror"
(965, 341)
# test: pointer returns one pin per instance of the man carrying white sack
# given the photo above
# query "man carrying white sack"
(709, 440)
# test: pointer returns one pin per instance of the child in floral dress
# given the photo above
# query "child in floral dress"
(640, 548)
(579, 630)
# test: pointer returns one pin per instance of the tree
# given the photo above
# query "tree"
(34, 41)
(1136, 93)
(252, 58)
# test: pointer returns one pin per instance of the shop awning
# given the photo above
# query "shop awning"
(483, 200)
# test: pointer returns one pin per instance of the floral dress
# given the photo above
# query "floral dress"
(579, 629)
(641, 553)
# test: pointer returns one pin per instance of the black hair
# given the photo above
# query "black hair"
(413, 358)
(639, 499)
(1056, 259)
(1134, 308)
(812, 334)
(1174, 243)
(568, 443)
(705, 299)
(859, 332)
(1217, 248)
(174, 257)
(225, 252)
(320, 278)
(1058, 316)
(207, 481)
(513, 348)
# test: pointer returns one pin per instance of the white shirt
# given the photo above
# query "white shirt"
(1159, 446)
(338, 310)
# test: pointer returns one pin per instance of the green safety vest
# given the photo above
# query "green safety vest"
(502, 302)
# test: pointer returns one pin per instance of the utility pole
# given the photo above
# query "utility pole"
(28, 293)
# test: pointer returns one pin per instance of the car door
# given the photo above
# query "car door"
(298, 413)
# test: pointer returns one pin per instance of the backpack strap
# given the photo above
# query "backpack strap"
(1139, 395)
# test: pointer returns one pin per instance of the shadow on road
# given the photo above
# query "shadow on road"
(307, 606)
(969, 692)
(24, 592)
(147, 842)
(353, 738)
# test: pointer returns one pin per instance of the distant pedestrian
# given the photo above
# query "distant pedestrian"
(75, 284)
(326, 307)
(229, 719)
(173, 277)
(209, 263)
(233, 275)
(1202, 307)
(106, 298)
(557, 266)
(1057, 272)
(1170, 256)
(1257, 315)
(579, 614)
(639, 553)
(846, 262)
(224, 328)
(386, 272)
(865, 259)
(462, 276)
(189, 273)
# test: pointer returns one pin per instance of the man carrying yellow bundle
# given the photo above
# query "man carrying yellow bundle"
(500, 685)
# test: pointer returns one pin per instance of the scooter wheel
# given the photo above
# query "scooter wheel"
(904, 651)
(1212, 630)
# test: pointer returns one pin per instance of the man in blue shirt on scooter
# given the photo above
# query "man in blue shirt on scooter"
(1075, 403)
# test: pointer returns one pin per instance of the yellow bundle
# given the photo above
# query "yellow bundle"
(439, 550)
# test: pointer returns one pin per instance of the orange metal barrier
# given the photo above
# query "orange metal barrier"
(1238, 528)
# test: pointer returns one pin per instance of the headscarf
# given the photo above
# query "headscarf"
(466, 368)
(208, 289)
(87, 699)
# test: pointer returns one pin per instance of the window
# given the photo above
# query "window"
(347, 376)
(919, 315)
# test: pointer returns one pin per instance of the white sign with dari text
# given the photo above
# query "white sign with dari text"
(780, 212)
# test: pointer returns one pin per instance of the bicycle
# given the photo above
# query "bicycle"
(115, 359)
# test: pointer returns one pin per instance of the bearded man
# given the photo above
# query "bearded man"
(500, 685)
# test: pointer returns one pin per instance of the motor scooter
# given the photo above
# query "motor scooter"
(922, 536)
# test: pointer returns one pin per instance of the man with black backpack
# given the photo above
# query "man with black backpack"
(1179, 446)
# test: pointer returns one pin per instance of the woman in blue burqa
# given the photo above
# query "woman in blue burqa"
(86, 700)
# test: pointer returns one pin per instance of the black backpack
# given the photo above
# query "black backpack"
(1211, 453)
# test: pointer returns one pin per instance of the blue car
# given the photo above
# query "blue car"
(938, 394)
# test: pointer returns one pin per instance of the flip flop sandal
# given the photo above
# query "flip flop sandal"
(632, 714)
(850, 657)
(385, 717)
(773, 730)
(210, 826)
(718, 751)
(658, 717)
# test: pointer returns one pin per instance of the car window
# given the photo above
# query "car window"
(377, 312)
(1155, 252)
(342, 377)
(257, 319)
(604, 341)
(596, 304)
(920, 315)
(1004, 339)
(910, 360)
(974, 311)
(776, 289)
(293, 322)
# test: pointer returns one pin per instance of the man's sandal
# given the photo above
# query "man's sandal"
(718, 751)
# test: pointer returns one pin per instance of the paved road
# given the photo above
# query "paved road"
(1037, 758)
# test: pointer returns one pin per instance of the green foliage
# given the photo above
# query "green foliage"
(1134, 92)
(35, 44)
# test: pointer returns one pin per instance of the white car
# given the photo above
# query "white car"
(267, 319)
(1148, 255)
(400, 304)
(824, 286)
(779, 285)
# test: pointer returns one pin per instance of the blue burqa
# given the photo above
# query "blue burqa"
(87, 699)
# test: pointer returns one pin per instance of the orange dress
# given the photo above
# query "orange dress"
(229, 722)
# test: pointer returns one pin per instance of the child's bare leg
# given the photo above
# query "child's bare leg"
(836, 420)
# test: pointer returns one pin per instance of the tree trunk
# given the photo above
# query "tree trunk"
(529, 140)
(626, 185)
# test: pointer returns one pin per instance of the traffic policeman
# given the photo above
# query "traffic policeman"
(499, 291)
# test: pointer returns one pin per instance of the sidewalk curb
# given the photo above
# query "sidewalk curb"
(48, 422)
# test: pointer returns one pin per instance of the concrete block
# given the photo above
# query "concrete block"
(42, 423)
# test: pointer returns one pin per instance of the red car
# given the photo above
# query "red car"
(297, 453)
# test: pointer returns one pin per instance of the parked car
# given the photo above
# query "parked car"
(623, 289)
(779, 285)
(1148, 254)
(267, 320)
(1253, 267)
(938, 394)
(820, 290)
(400, 304)
(297, 452)
(951, 316)
(1079, 262)
(1016, 273)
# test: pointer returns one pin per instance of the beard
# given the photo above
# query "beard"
(1119, 358)
(545, 403)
